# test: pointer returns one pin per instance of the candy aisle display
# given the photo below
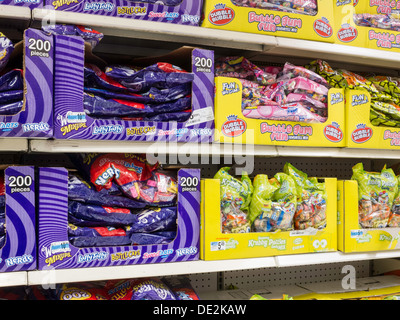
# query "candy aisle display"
(180, 227)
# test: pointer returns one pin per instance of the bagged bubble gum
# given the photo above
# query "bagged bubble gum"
(235, 201)
(273, 203)
(380, 21)
(291, 71)
(376, 193)
(342, 78)
(241, 68)
(311, 200)
(308, 7)
(290, 112)
(90, 36)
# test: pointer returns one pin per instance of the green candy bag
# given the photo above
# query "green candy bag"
(235, 200)
(376, 193)
(311, 200)
(273, 203)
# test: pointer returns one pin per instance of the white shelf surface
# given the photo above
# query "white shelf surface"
(46, 277)
(13, 279)
(14, 144)
(12, 15)
(213, 149)
(278, 46)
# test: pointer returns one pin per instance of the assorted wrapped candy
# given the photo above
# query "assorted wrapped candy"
(120, 199)
(380, 21)
(90, 36)
(291, 93)
(376, 193)
(384, 91)
(273, 203)
(308, 7)
(288, 201)
(311, 200)
(235, 201)
(159, 92)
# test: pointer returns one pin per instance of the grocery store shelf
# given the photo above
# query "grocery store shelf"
(203, 149)
(141, 29)
(10, 279)
(14, 17)
(195, 267)
(336, 52)
(13, 144)
(129, 29)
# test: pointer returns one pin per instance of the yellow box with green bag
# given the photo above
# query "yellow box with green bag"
(267, 217)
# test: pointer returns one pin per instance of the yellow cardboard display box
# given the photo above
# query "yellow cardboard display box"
(348, 33)
(352, 238)
(226, 15)
(215, 245)
(232, 127)
(360, 132)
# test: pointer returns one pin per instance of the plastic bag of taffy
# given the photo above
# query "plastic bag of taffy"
(376, 193)
(235, 200)
(311, 200)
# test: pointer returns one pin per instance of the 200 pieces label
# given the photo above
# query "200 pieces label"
(201, 309)
(20, 183)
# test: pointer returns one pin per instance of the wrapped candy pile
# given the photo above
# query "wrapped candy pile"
(159, 92)
(380, 21)
(384, 91)
(119, 199)
(11, 81)
(378, 197)
(288, 201)
(308, 7)
(291, 93)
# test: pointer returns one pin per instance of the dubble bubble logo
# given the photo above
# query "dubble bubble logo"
(233, 127)
(333, 132)
(347, 33)
(221, 15)
(323, 28)
(361, 134)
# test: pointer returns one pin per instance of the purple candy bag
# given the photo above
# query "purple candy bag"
(12, 80)
(160, 75)
(91, 36)
(6, 48)
(158, 219)
(108, 216)
(154, 95)
(11, 108)
(162, 237)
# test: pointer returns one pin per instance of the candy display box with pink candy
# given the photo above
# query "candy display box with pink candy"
(301, 19)
(368, 24)
(289, 105)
